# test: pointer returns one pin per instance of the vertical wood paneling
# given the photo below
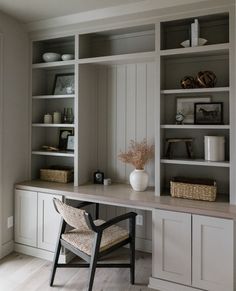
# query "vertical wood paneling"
(111, 123)
(102, 120)
(121, 119)
(130, 110)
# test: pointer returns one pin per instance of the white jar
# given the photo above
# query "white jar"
(57, 117)
(47, 118)
(214, 148)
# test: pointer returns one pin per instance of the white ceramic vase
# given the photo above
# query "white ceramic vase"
(139, 180)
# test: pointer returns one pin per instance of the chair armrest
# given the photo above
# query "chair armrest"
(130, 215)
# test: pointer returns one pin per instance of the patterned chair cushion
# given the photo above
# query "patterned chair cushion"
(83, 239)
(73, 216)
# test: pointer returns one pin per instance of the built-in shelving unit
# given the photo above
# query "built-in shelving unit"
(177, 62)
(44, 100)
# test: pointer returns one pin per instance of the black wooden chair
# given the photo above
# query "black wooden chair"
(92, 239)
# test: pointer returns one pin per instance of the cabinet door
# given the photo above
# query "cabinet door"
(48, 222)
(26, 217)
(213, 253)
(172, 246)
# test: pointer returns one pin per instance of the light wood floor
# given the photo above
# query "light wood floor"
(24, 273)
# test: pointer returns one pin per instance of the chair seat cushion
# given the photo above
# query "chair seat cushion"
(83, 239)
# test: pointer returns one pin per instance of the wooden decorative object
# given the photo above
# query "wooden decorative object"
(187, 82)
(188, 143)
(205, 79)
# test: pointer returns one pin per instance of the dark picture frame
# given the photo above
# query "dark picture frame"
(63, 137)
(62, 82)
(208, 113)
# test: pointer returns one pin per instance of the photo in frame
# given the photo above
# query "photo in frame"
(63, 137)
(70, 143)
(208, 113)
(185, 106)
(63, 84)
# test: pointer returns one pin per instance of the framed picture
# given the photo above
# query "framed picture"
(70, 143)
(185, 106)
(63, 84)
(63, 137)
(208, 113)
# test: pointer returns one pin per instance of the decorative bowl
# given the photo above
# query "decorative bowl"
(51, 57)
(201, 42)
(67, 57)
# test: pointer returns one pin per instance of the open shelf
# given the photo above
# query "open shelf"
(195, 90)
(55, 154)
(193, 126)
(121, 59)
(39, 97)
(129, 40)
(212, 50)
(54, 65)
(195, 162)
(53, 125)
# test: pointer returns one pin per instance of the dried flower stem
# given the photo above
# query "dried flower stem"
(138, 154)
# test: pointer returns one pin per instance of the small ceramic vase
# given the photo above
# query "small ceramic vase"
(139, 180)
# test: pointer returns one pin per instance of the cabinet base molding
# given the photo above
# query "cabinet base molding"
(162, 285)
(7, 248)
(42, 254)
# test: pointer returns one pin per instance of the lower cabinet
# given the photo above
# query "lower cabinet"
(36, 221)
(193, 250)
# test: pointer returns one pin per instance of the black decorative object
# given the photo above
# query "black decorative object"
(205, 79)
(208, 113)
(98, 177)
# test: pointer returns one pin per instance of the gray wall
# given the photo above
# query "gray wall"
(14, 122)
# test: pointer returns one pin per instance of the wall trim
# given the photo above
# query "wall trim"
(42, 254)
(7, 248)
(163, 285)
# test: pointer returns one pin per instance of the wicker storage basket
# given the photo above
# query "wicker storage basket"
(193, 189)
(57, 174)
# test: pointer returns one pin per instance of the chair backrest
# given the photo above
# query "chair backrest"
(73, 216)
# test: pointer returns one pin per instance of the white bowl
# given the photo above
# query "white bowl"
(67, 57)
(201, 42)
(51, 57)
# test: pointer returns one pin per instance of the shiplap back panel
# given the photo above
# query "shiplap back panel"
(125, 112)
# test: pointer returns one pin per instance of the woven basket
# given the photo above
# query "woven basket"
(54, 175)
(193, 191)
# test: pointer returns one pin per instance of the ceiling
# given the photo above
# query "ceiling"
(34, 10)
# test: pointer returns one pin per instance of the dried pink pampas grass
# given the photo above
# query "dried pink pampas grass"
(138, 154)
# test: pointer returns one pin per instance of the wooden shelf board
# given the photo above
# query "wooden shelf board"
(195, 162)
(195, 90)
(68, 96)
(119, 59)
(52, 125)
(52, 65)
(55, 154)
(193, 126)
(214, 49)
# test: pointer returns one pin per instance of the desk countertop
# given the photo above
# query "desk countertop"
(123, 195)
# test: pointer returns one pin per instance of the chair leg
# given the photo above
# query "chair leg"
(93, 262)
(55, 262)
(132, 251)
(57, 252)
